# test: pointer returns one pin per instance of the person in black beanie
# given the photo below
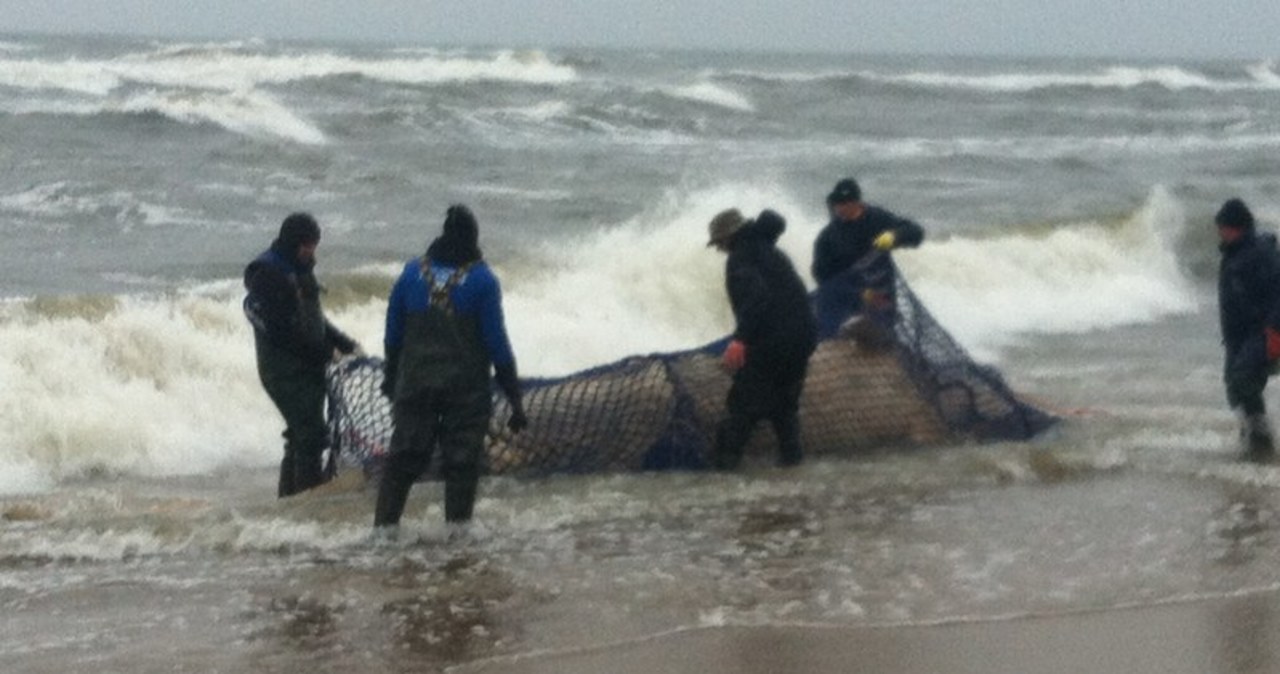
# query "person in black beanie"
(851, 259)
(1249, 314)
(445, 331)
(294, 342)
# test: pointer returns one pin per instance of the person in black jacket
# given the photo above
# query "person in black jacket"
(294, 341)
(851, 260)
(1249, 313)
(774, 336)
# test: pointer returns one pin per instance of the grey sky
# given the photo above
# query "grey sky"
(1146, 28)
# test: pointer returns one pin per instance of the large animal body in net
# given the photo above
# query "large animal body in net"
(917, 387)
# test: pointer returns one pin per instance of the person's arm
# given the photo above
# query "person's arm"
(493, 329)
(824, 263)
(393, 337)
(749, 297)
(906, 233)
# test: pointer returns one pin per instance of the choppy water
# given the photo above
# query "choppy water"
(1067, 205)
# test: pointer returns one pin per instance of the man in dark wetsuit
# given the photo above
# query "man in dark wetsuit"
(774, 336)
(445, 330)
(294, 341)
(1249, 313)
(851, 260)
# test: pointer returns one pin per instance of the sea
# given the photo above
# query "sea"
(1068, 205)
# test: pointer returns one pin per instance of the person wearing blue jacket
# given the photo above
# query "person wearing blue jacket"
(294, 342)
(445, 332)
(1249, 315)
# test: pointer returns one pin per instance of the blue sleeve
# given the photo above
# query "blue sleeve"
(493, 325)
(396, 308)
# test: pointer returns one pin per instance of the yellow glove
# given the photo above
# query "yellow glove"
(886, 240)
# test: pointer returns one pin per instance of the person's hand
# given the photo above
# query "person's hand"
(518, 421)
(876, 300)
(1273, 343)
(886, 240)
(735, 355)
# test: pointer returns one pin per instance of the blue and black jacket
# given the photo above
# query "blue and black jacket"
(445, 328)
(283, 305)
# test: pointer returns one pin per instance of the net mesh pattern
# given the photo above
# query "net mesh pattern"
(659, 411)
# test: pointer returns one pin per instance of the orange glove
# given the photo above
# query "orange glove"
(1273, 343)
(735, 355)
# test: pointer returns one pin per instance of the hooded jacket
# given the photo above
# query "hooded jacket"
(283, 305)
(1248, 288)
(768, 298)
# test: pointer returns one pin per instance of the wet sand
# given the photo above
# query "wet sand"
(1239, 635)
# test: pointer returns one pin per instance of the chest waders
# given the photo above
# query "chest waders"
(442, 400)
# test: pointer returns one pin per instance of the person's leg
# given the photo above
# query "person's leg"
(300, 399)
(1246, 379)
(412, 440)
(464, 424)
(310, 432)
(749, 401)
(786, 416)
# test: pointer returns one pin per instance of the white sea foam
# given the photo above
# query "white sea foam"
(1260, 76)
(712, 93)
(1071, 279)
(232, 70)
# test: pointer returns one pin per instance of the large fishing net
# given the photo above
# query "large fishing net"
(913, 385)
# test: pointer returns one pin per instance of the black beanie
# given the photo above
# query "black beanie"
(845, 191)
(296, 230)
(1234, 214)
(459, 244)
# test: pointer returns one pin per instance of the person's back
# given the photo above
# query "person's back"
(774, 318)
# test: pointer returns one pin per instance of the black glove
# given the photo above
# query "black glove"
(510, 385)
(390, 368)
(518, 421)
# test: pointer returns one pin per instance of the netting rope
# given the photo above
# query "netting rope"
(659, 411)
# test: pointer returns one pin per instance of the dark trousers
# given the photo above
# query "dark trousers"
(300, 399)
(762, 390)
(453, 421)
(1246, 375)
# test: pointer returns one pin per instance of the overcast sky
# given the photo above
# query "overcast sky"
(1146, 28)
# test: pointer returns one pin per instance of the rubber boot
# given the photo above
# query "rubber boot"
(459, 499)
(789, 450)
(1259, 443)
(731, 440)
(393, 493)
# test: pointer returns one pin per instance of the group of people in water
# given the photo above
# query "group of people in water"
(446, 341)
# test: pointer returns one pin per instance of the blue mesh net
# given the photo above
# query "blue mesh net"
(899, 382)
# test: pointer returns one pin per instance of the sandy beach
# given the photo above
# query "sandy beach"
(1235, 635)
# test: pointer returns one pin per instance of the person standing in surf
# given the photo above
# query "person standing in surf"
(1249, 313)
(445, 331)
(852, 263)
(774, 335)
(294, 342)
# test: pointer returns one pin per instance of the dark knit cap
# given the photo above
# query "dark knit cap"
(1234, 214)
(459, 244)
(297, 230)
(845, 191)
